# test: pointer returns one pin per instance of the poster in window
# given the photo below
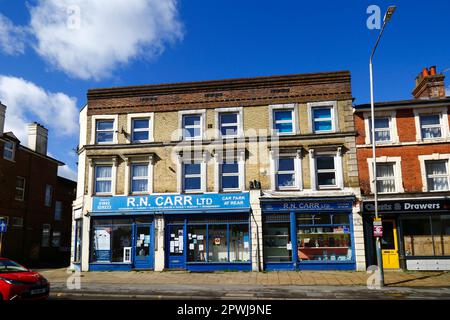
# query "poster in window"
(102, 238)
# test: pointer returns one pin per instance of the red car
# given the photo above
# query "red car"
(20, 283)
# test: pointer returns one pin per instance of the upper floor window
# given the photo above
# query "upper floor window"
(386, 178)
(103, 179)
(430, 126)
(8, 150)
(229, 124)
(17, 222)
(382, 129)
(229, 176)
(192, 177)
(104, 131)
(283, 121)
(139, 178)
(20, 189)
(141, 130)
(48, 195)
(192, 126)
(326, 171)
(323, 119)
(437, 175)
(286, 176)
(45, 241)
(58, 210)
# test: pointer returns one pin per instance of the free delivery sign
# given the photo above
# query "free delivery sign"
(179, 202)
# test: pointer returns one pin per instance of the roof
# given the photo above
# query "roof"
(405, 103)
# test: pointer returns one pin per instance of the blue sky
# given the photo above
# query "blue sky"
(46, 70)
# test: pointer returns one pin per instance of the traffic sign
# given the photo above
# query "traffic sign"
(377, 230)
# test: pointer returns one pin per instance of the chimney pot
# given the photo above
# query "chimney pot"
(429, 84)
(2, 118)
(425, 72)
(433, 71)
(37, 138)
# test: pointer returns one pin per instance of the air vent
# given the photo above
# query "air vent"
(148, 99)
(213, 95)
(280, 90)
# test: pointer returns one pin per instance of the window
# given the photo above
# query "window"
(277, 242)
(192, 126)
(17, 222)
(45, 241)
(20, 189)
(285, 178)
(103, 179)
(58, 210)
(139, 178)
(78, 240)
(382, 129)
(229, 178)
(326, 171)
(56, 239)
(229, 124)
(437, 175)
(386, 178)
(8, 150)
(141, 130)
(239, 243)
(218, 244)
(322, 119)
(430, 126)
(192, 177)
(48, 195)
(197, 243)
(283, 121)
(104, 131)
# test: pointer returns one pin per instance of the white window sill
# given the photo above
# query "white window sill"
(328, 188)
(231, 190)
(103, 194)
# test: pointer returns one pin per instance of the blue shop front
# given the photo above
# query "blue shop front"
(201, 231)
(308, 234)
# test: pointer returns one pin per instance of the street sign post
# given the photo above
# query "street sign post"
(377, 228)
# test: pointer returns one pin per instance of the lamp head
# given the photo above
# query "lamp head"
(390, 11)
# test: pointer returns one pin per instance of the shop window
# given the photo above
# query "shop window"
(48, 195)
(328, 239)
(104, 131)
(326, 171)
(217, 243)
(386, 178)
(78, 240)
(277, 242)
(322, 119)
(197, 243)
(437, 175)
(56, 239)
(382, 129)
(283, 121)
(192, 126)
(192, 177)
(45, 240)
(139, 178)
(140, 130)
(229, 124)
(58, 210)
(430, 126)
(229, 176)
(239, 243)
(20, 189)
(103, 179)
(8, 150)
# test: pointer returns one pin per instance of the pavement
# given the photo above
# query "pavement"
(246, 285)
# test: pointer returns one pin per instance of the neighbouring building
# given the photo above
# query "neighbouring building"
(240, 174)
(35, 203)
(413, 176)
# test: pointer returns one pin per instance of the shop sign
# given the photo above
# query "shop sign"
(408, 206)
(308, 206)
(172, 202)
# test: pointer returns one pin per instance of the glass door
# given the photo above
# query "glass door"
(176, 258)
(389, 245)
(143, 251)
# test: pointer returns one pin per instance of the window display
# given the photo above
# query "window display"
(217, 244)
(239, 243)
(197, 243)
(277, 242)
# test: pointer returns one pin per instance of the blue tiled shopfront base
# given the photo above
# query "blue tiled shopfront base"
(110, 267)
(219, 266)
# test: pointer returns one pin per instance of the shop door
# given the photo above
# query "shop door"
(176, 257)
(389, 245)
(143, 250)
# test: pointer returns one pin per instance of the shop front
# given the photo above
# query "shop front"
(308, 234)
(201, 232)
(416, 233)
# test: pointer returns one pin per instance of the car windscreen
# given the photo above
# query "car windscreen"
(11, 266)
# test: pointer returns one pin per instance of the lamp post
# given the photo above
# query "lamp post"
(387, 18)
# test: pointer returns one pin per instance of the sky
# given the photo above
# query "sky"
(53, 51)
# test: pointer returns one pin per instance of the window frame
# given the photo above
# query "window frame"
(332, 105)
(196, 175)
(446, 175)
(15, 225)
(48, 199)
(318, 171)
(23, 189)
(97, 131)
(58, 217)
(227, 174)
(392, 116)
(397, 172)
(274, 163)
(103, 179)
(423, 169)
(443, 122)
(393, 178)
(182, 133)
(237, 124)
(293, 107)
(46, 227)
(12, 150)
(94, 120)
(132, 178)
(130, 126)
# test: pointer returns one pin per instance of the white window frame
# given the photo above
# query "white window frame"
(12, 150)
(387, 179)
(102, 162)
(149, 178)
(202, 114)
(322, 105)
(102, 179)
(443, 121)
(140, 116)
(23, 189)
(203, 173)
(397, 172)
(297, 156)
(239, 124)
(219, 159)
(423, 169)
(337, 154)
(392, 116)
(94, 120)
(295, 119)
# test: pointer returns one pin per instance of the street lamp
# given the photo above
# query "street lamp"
(387, 18)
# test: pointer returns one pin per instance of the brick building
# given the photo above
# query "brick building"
(34, 201)
(413, 175)
(241, 174)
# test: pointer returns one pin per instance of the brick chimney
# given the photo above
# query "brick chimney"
(2, 118)
(37, 138)
(429, 84)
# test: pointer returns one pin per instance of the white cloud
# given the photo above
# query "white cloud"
(105, 33)
(67, 172)
(26, 102)
(447, 91)
(11, 37)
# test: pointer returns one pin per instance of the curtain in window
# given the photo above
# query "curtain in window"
(103, 172)
(438, 172)
(385, 178)
(103, 179)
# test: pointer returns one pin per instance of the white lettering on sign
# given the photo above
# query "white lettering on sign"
(130, 202)
(422, 206)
